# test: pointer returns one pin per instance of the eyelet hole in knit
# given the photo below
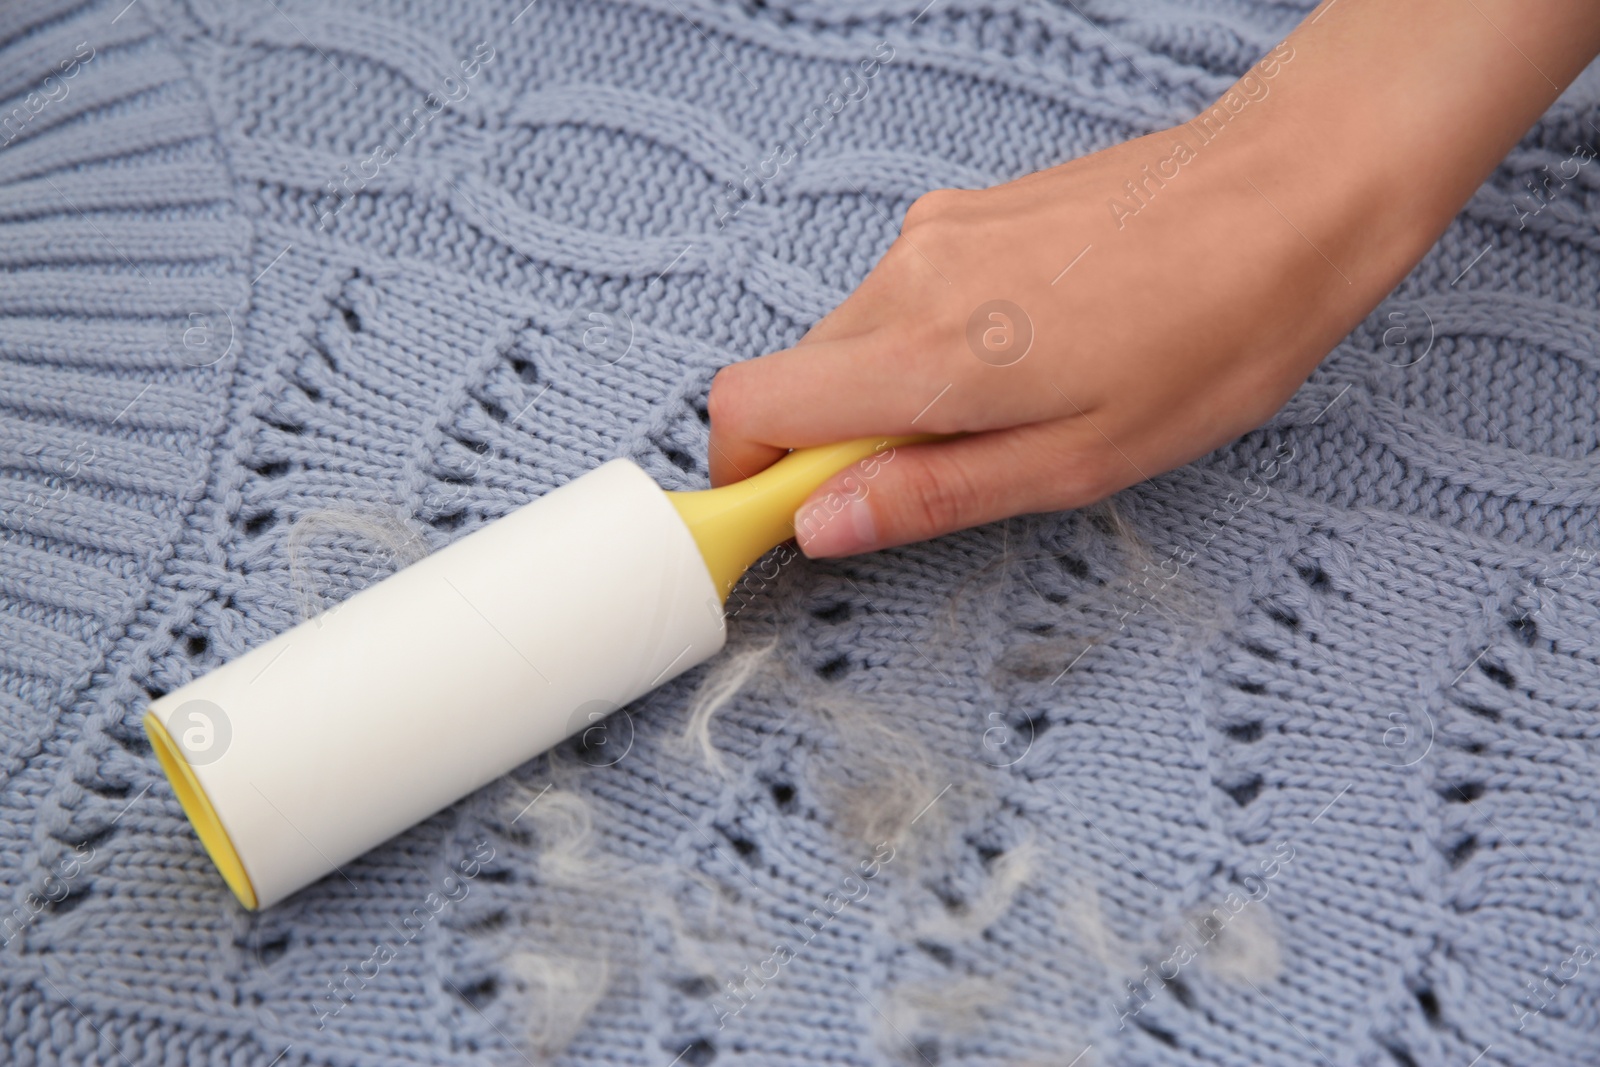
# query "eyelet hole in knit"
(1462, 792)
(1461, 851)
(697, 987)
(1485, 713)
(1166, 1037)
(1181, 991)
(258, 524)
(272, 469)
(77, 895)
(1074, 566)
(526, 370)
(492, 409)
(832, 613)
(1244, 732)
(271, 948)
(1497, 674)
(1430, 1007)
(952, 901)
(479, 994)
(92, 839)
(1287, 619)
(834, 668)
(1244, 791)
(746, 848)
(1315, 578)
(699, 1053)
(110, 790)
(1400, 1056)
(489, 924)
(1260, 651)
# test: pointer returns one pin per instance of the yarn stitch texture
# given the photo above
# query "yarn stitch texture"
(295, 292)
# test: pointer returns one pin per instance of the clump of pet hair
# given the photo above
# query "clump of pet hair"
(725, 678)
(337, 551)
(1007, 874)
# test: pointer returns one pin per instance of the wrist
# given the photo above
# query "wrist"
(1345, 197)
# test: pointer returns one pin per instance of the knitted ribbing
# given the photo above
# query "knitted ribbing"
(294, 292)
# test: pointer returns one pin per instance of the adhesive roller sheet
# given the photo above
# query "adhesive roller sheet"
(352, 726)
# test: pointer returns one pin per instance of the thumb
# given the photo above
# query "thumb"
(916, 492)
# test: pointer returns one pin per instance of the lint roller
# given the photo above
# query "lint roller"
(332, 737)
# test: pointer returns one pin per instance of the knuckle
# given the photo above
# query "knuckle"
(932, 206)
(1087, 484)
(938, 232)
(1099, 476)
(1072, 473)
(722, 402)
(940, 496)
(904, 266)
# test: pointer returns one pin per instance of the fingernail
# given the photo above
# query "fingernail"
(835, 524)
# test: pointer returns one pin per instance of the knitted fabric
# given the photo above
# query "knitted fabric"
(294, 292)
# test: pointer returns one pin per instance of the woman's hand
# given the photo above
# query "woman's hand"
(1082, 346)
(1108, 319)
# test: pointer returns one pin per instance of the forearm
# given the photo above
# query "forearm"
(1387, 116)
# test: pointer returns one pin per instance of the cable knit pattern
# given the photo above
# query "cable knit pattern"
(294, 291)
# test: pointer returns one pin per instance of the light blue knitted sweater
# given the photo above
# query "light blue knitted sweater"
(293, 291)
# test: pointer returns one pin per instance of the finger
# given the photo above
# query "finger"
(922, 491)
(843, 322)
(762, 407)
(884, 382)
(753, 459)
(851, 318)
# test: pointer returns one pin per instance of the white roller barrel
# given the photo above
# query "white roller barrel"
(353, 726)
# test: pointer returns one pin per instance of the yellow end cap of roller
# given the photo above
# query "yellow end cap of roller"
(734, 525)
(202, 816)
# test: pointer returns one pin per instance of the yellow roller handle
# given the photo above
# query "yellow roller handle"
(737, 524)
